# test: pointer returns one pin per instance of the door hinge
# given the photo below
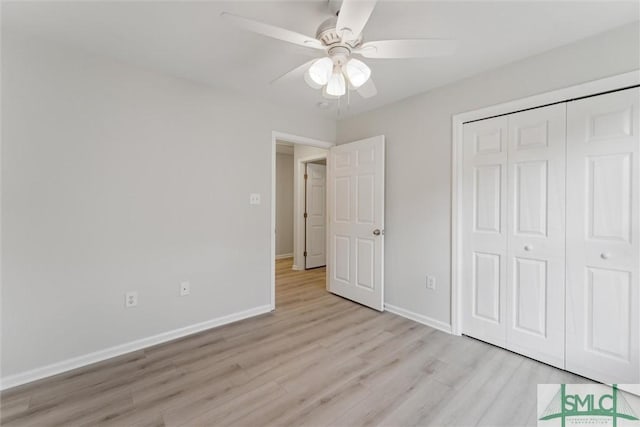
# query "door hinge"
(305, 215)
(306, 176)
(305, 253)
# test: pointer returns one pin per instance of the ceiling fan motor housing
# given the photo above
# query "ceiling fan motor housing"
(328, 35)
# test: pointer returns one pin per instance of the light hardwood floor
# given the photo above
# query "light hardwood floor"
(317, 360)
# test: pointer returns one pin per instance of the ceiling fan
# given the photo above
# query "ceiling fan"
(340, 38)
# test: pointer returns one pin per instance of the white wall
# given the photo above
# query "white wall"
(301, 154)
(418, 156)
(284, 204)
(115, 178)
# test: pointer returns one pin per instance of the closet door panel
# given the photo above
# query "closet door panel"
(536, 237)
(603, 257)
(484, 206)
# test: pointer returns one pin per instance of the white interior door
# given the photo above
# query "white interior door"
(355, 193)
(603, 237)
(536, 236)
(315, 216)
(484, 230)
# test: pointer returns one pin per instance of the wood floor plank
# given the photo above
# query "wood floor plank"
(463, 406)
(14, 406)
(250, 399)
(389, 394)
(93, 411)
(421, 401)
(318, 360)
(327, 407)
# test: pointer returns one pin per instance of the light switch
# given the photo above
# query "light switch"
(254, 199)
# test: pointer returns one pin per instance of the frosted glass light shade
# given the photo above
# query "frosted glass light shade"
(325, 95)
(358, 72)
(320, 71)
(336, 85)
(311, 82)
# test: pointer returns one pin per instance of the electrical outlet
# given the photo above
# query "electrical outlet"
(254, 199)
(131, 299)
(185, 288)
(431, 283)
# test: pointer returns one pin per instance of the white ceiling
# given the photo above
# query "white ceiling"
(188, 39)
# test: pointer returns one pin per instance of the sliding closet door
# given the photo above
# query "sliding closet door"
(603, 209)
(485, 231)
(536, 237)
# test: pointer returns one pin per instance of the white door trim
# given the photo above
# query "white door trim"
(314, 216)
(581, 90)
(294, 139)
(299, 232)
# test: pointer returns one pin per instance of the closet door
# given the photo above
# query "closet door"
(603, 210)
(536, 237)
(485, 231)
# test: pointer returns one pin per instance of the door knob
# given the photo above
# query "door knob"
(605, 255)
(528, 248)
(376, 232)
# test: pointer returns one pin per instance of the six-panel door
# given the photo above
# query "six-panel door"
(356, 221)
(555, 225)
(485, 230)
(536, 237)
(315, 224)
(603, 234)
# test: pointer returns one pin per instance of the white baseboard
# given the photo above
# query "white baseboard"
(98, 356)
(420, 318)
(284, 256)
(295, 267)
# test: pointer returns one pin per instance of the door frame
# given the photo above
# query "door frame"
(303, 205)
(591, 88)
(299, 199)
(299, 224)
(293, 139)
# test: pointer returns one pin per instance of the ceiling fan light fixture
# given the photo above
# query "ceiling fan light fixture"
(325, 95)
(320, 71)
(310, 81)
(336, 86)
(339, 37)
(358, 72)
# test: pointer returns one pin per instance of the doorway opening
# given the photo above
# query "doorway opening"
(355, 226)
(298, 208)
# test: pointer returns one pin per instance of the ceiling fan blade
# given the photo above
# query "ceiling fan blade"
(416, 48)
(272, 31)
(353, 16)
(296, 73)
(368, 89)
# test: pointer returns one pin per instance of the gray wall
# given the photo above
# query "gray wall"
(418, 156)
(115, 178)
(284, 204)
